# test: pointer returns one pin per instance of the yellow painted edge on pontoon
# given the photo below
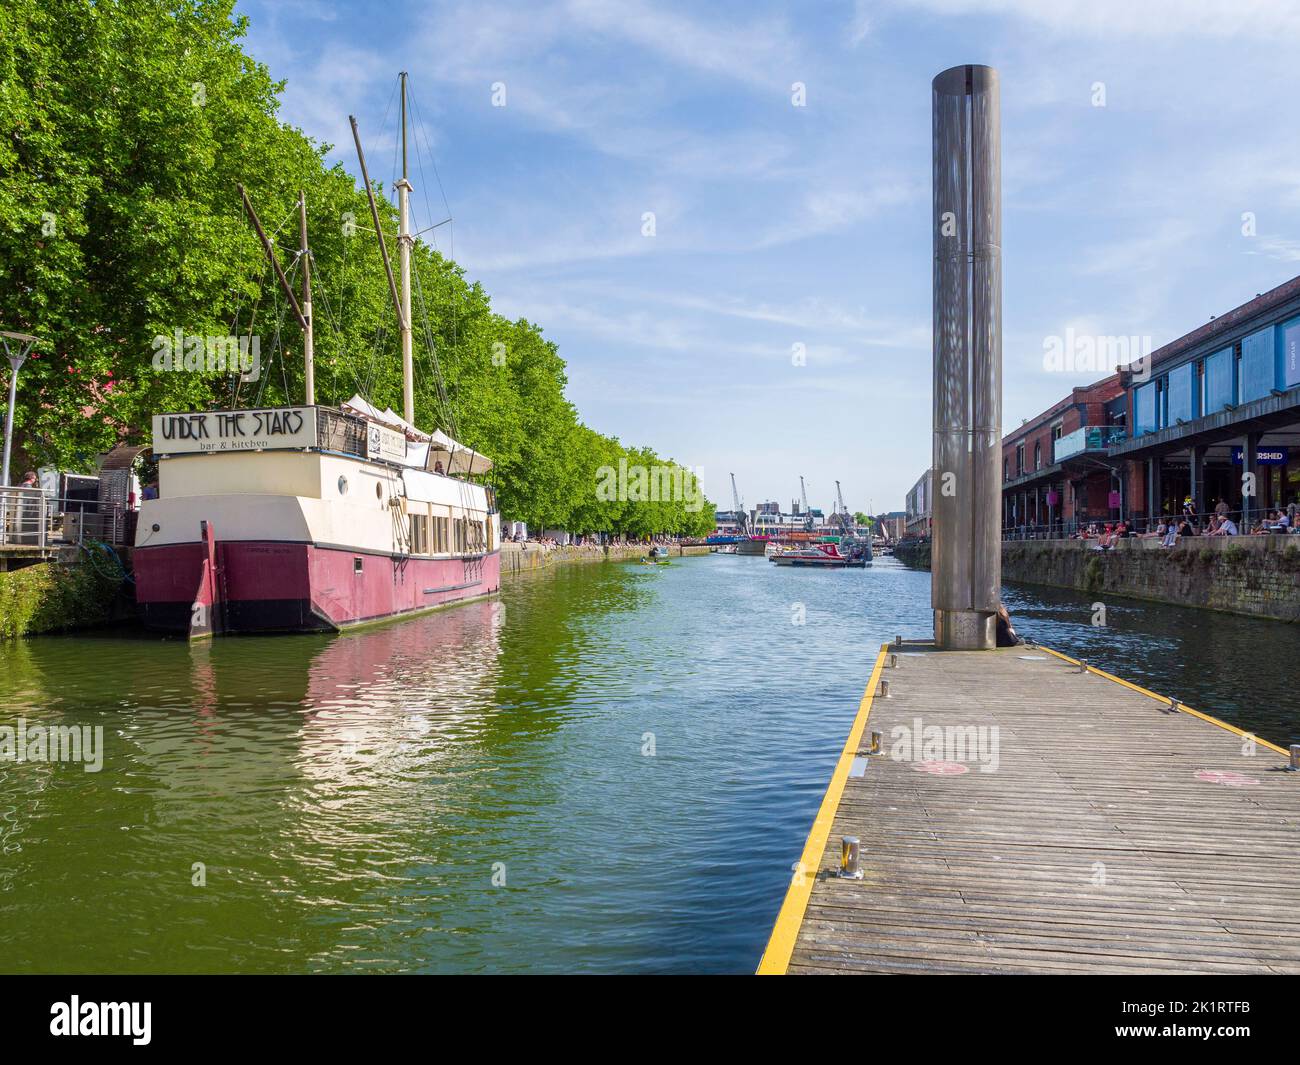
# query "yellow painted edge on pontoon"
(776, 957)
(1165, 699)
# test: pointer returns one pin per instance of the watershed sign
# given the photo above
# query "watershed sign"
(234, 430)
(1265, 456)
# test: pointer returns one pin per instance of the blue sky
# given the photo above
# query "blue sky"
(778, 225)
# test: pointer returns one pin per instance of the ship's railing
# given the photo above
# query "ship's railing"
(32, 518)
(344, 433)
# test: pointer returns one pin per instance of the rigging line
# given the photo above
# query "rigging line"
(433, 162)
(438, 380)
(388, 110)
(382, 329)
(422, 127)
(277, 345)
(463, 487)
(336, 326)
(237, 386)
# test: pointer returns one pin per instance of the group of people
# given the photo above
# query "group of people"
(1171, 530)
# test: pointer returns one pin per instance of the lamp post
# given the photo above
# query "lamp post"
(15, 364)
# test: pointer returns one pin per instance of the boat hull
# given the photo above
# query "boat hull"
(270, 586)
(816, 563)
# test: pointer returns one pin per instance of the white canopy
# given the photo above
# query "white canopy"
(454, 456)
(425, 449)
(387, 417)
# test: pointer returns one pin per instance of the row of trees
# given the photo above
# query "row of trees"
(125, 128)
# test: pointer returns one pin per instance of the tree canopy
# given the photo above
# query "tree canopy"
(126, 127)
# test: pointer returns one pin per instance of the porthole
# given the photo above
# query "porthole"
(379, 492)
(343, 485)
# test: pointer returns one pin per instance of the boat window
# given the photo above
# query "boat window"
(419, 534)
(356, 563)
(343, 485)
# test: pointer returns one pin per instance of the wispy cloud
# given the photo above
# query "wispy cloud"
(1260, 19)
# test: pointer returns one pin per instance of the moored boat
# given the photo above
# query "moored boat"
(819, 556)
(308, 518)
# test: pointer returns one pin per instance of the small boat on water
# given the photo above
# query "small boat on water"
(820, 556)
(658, 556)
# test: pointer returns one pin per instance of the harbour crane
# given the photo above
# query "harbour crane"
(739, 507)
(803, 495)
(840, 508)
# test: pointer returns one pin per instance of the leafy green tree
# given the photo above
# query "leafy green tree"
(128, 126)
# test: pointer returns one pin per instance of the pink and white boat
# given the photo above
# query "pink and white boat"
(295, 519)
(305, 518)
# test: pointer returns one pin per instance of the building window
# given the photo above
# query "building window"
(1038, 456)
(1020, 459)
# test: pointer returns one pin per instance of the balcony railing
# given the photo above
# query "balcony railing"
(1088, 438)
(29, 518)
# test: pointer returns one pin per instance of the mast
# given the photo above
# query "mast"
(308, 342)
(304, 320)
(404, 242)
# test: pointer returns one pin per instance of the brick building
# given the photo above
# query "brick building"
(1213, 415)
(1054, 466)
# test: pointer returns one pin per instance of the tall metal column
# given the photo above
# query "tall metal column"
(966, 552)
(1249, 464)
(1196, 469)
(1155, 490)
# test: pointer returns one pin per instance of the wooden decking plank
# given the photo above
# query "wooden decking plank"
(998, 871)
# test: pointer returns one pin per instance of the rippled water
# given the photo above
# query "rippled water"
(610, 769)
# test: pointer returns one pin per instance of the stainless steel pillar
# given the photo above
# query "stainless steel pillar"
(966, 558)
(1197, 471)
(1249, 464)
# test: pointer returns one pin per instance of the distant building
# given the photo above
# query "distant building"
(916, 510)
(1053, 467)
(729, 522)
(767, 523)
(892, 525)
(1190, 420)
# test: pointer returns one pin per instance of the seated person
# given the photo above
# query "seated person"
(1160, 531)
(1006, 634)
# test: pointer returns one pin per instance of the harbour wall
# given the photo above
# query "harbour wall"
(1258, 576)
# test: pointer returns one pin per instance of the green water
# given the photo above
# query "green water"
(609, 769)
